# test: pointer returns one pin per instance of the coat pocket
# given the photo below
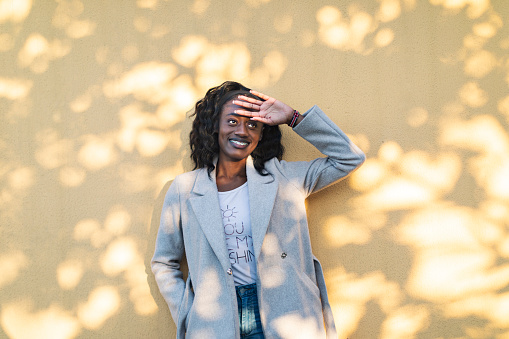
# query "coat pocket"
(311, 290)
(302, 291)
(185, 306)
(328, 317)
(297, 314)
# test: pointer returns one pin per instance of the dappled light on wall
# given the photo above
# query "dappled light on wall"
(486, 136)
(20, 320)
(15, 89)
(457, 262)
(350, 31)
(38, 52)
(119, 256)
(417, 117)
(474, 9)
(69, 274)
(14, 12)
(489, 306)
(141, 131)
(471, 94)
(103, 302)
(11, 264)
(448, 207)
(146, 82)
(213, 63)
(96, 99)
(503, 107)
(342, 231)
(68, 18)
(480, 64)
(405, 322)
(398, 181)
(52, 151)
(350, 293)
(96, 152)
(456, 252)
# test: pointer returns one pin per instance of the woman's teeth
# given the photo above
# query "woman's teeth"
(240, 143)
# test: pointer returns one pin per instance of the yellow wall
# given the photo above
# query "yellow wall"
(93, 99)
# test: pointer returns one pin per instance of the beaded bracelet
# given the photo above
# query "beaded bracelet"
(294, 118)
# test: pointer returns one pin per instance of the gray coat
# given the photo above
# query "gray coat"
(291, 289)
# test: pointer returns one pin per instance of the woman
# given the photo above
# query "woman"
(240, 220)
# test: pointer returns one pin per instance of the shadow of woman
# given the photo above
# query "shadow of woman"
(167, 328)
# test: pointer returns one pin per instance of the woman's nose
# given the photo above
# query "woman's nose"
(241, 129)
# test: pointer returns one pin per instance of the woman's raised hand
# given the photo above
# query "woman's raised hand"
(269, 111)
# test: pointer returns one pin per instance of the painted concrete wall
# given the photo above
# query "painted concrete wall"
(93, 100)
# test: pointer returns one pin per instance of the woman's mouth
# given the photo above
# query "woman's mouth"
(239, 143)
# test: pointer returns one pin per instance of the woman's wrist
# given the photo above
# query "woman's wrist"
(296, 118)
(293, 120)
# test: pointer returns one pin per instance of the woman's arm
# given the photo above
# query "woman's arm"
(343, 156)
(169, 251)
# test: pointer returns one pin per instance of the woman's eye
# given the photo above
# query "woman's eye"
(231, 122)
(252, 124)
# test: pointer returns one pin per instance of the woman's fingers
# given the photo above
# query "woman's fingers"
(262, 120)
(255, 116)
(250, 100)
(259, 94)
(245, 104)
(245, 113)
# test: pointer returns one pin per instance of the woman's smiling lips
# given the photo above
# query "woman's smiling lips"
(239, 143)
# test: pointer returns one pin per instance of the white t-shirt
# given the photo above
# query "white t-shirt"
(237, 229)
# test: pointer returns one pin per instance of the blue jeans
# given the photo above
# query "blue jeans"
(249, 313)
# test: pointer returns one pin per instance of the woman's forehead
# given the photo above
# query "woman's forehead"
(230, 107)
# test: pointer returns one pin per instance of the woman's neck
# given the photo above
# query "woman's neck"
(230, 175)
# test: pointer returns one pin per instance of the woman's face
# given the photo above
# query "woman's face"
(238, 135)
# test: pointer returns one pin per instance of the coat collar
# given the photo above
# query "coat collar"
(205, 204)
(262, 194)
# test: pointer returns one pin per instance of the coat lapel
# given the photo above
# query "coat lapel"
(206, 208)
(262, 193)
(205, 204)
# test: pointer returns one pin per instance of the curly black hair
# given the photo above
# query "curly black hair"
(203, 138)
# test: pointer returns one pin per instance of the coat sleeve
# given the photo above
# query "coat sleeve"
(342, 156)
(169, 251)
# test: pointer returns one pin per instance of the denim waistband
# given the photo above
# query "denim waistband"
(245, 290)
